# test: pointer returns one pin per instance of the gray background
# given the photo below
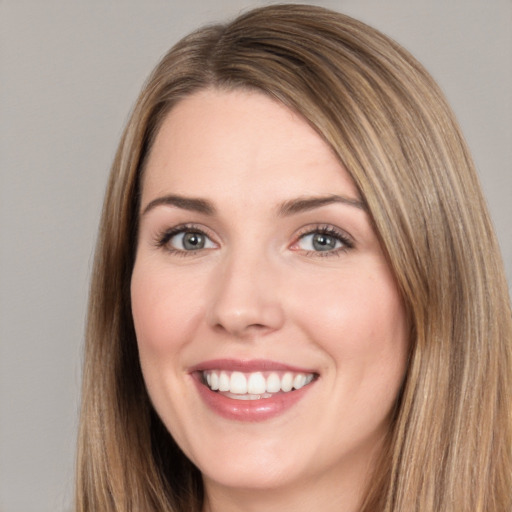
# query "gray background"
(70, 72)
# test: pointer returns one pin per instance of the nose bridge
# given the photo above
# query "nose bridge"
(245, 298)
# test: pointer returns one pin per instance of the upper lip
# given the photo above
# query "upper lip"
(247, 366)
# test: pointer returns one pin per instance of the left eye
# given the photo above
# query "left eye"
(320, 242)
(190, 241)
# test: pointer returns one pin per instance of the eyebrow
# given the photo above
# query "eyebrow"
(186, 203)
(290, 207)
(304, 204)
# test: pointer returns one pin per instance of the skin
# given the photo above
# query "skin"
(259, 289)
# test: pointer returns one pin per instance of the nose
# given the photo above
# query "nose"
(245, 300)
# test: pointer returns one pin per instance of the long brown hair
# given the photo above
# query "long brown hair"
(450, 443)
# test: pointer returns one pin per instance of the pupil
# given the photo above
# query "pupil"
(193, 241)
(322, 242)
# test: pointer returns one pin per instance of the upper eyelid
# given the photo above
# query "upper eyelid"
(325, 228)
(191, 227)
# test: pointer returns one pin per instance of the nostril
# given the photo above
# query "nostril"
(243, 330)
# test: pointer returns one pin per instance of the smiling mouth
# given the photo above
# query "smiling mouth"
(254, 385)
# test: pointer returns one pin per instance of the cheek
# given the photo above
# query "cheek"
(357, 318)
(165, 309)
(359, 322)
(165, 313)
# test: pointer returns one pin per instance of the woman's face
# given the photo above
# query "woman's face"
(258, 272)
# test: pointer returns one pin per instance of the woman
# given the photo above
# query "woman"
(298, 300)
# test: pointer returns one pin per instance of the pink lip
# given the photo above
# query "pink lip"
(247, 410)
(249, 365)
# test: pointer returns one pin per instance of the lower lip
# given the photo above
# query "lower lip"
(250, 410)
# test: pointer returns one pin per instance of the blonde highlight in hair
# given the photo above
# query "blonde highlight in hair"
(450, 443)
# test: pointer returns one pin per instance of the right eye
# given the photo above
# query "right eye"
(190, 241)
(184, 240)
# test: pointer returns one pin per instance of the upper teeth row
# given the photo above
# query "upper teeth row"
(255, 383)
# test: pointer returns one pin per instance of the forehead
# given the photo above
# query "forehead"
(243, 143)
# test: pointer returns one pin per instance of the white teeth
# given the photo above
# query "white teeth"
(223, 381)
(255, 385)
(238, 383)
(273, 383)
(214, 380)
(299, 381)
(287, 382)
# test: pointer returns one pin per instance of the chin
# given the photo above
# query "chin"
(259, 475)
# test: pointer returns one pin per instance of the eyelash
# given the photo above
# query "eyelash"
(326, 229)
(163, 239)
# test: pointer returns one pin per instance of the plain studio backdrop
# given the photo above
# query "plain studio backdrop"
(69, 75)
